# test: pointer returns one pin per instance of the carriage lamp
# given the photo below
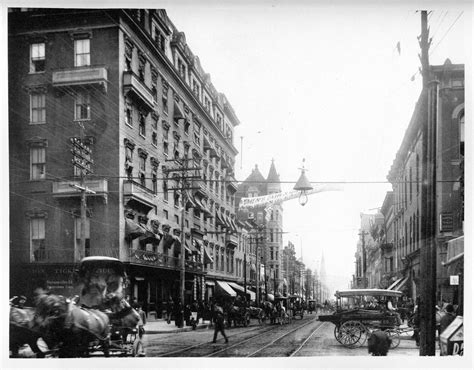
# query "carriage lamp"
(303, 186)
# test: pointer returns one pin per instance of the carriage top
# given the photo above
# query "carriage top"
(368, 292)
(106, 264)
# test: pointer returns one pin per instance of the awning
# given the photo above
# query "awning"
(207, 258)
(210, 283)
(455, 250)
(226, 289)
(178, 112)
(240, 289)
(133, 230)
(190, 203)
(399, 284)
(234, 226)
(227, 222)
(202, 207)
(392, 286)
(150, 238)
(196, 247)
(219, 220)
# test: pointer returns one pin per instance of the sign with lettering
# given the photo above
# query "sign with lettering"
(446, 222)
(454, 280)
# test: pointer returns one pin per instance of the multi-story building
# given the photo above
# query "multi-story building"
(270, 220)
(126, 87)
(406, 178)
(368, 254)
(387, 249)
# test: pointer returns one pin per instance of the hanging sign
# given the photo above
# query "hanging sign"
(454, 280)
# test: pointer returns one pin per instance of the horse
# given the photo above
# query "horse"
(257, 313)
(270, 311)
(23, 330)
(123, 317)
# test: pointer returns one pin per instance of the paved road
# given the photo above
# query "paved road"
(306, 337)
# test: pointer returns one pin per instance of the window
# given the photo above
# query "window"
(37, 239)
(37, 108)
(176, 219)
(165, 190)
(82, 56)
(82, 107)
(129, 116)
(154, 183)
(37, 57)
(165, 213)
(37, 163)
(154, 138)
(141, 127)
(176, 199)
(165, 148)
(164, 101)
(77, 232)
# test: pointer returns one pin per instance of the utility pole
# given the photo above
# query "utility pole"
(362, 234)
(82, 161)
(428, 199)
(242, 239)
(183, 169)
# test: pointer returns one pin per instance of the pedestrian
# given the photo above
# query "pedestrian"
(447, 319)
(169, 310)
(219, 323)
(379, 343)
(178, 314)
(416, 321)
(141, 321)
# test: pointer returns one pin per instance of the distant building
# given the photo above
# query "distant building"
(270, 218)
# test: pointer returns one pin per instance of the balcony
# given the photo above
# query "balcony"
(90, 75)
(231, 183)
(67, 189)
(138, 90)
(136, 193)
(231, 239)
(161, 260)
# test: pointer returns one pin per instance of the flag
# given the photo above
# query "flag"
(399, 48)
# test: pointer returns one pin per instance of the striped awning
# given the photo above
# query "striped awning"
(133, 230)
(241, 289)
(226, 289)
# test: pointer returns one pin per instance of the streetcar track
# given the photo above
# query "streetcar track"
(282, 336)
(206, 343)
(306, 340)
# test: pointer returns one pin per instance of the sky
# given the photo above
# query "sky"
(327, 84)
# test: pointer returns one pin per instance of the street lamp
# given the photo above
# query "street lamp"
(303, 186)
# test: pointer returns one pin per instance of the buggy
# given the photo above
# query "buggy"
(357, 316)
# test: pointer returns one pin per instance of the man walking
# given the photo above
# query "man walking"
(219, 323)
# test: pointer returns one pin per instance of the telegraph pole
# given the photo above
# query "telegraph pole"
(183, 178)
(362, 234)
(428, 200)
(82, 161)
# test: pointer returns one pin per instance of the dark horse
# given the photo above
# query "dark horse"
(23, 330)
(80, 330)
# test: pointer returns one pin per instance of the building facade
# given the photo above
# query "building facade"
(149, 133)
(406, 178)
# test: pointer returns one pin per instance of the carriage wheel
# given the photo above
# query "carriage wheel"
(352, 334)
(394, 336)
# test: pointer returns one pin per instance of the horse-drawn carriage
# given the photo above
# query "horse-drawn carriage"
(357, 315)
(98, 319)
(297, 309)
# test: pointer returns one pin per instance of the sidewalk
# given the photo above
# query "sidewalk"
(160, 326)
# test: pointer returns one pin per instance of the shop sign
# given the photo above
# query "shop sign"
(454, 280)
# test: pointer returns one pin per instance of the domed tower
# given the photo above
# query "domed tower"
(274, 225)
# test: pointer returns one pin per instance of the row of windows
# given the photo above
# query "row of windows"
(82, 107)
(82, 55)
(38, 251)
